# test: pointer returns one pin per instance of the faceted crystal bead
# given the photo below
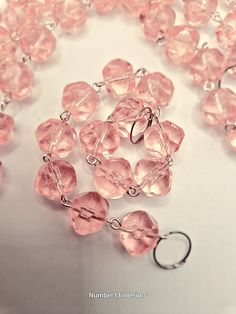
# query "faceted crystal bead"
(219, 106)
(154, 177)
(89, 204)
(7, 45)
(226, 31)
(156, 89)
(181, 43)
(1, 175)
(55, 179)
(16, 79)
(43, 9)
(142, 233)
(56, 137)
(157, 19)
(198, 12)
(70, 15)
(119, 77)
(37, 42)
(80, 100)
(6, 128)
(113, 178)
(125, 114)
(105, 6)
(231, 138)
(206, 66)
(159, 143)
(99, 137)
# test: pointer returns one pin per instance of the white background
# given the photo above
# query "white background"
(45, 268)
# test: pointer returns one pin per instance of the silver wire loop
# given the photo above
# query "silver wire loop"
(225, 72)
(149, 123)
(114, 223)
(230, 127)
(180, 262)
(98, 86)
(65, 116)
(93, 160)
(134, 191)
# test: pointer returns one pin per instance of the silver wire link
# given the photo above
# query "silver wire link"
(65, 116)
(97, 86)
(161, 39)
(114, 223)
(216, 17)
(6, 100)
(93, 160)
(134, 191)
(26, 59)
(141, 114)
(230, 127)
(225, 72)
(180, 262)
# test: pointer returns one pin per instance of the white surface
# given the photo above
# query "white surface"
(46, 269)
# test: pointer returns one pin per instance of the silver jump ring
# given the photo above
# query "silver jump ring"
(180, 262)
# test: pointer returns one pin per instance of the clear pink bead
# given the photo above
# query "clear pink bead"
(7, 45)
(113, 177)
(153, 176)
(105, 6)
(161, 144)
(156, 89)
(144, 233)
(89, 204)
(17, 15)
(206, 66)
(231, 3)
(16, 79)
(157, 19)
(99, 137)
(231, 139)
(134, 7)
(119, 77)
(226, 31)
(1, 175)
(219, 106)
(53, 180)
(56, 137)
(198, 12)
(37, 42)
(181, 43)
(6, 128)
(70, 14)
(125, 114)
(80, 100)
(43, 9)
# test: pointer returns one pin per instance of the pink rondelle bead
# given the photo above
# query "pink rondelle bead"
(226, 31)
(181, 44)
(144, 233)
(37, 42)
(55, 179)
(154, 177)
(219, 106)
(159, 144)
(7, 45)
(119, 77)
(6, 128)
(157, 19)
(89, 204)
(70, 15)
(105, 6)
(113, 178)
(80, 100)
(206, 66)
(198, 12)
(16, 79)
(156, 89)
(56, 137)
(99, 137)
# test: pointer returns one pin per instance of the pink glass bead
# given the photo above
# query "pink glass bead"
(1, 175)
(125, 114)
(70, 14)
(37, 42)
(99, 137)
(16, 79)
(226, 31)
(231, 138)
(161, 144)
(56, 137)
(144, 233)
(157, 19)
(80, 100)
(134, 7)
(119, 77)
(154, 177)
(156, 89)
(43, 9)
(181, 43)
(7, 45)
(198, 12)
(105, 6)
(230, 60)
(55, 179)
(206, 66)
(113, 178)
(219, 106)
(89, 204)
(6, 128)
